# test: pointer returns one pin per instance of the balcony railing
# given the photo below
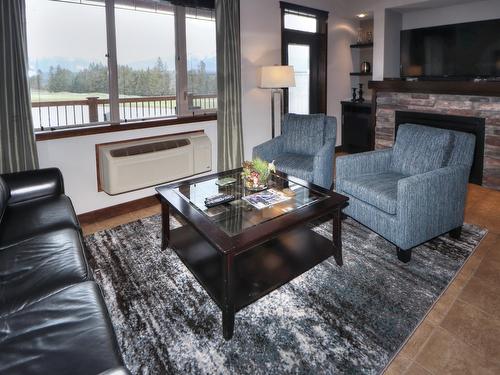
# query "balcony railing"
(67, 113)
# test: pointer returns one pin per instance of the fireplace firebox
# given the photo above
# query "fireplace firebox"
(474, 125)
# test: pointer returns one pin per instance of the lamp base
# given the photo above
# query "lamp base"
(273, 110)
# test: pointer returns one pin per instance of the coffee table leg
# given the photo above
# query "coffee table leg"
(228, 308)
(337, 236)
(165, 224)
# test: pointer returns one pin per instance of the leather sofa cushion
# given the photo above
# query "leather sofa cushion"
(300, 166)
(68, 332)
(379, 190)
(419, 149)
(30, 218)
(4, 197)
(303, 134)
(40, 265)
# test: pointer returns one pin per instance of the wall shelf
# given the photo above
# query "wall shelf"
(360, 74)
(362, 45)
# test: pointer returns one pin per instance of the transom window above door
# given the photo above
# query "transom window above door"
(295, 20)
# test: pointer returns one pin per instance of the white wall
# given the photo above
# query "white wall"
(475, 11)
(393, 24)
(77, 160)
(261, 45)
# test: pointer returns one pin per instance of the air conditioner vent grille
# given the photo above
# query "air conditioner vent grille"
(149, 148)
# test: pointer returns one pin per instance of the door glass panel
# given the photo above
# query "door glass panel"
(298, 97)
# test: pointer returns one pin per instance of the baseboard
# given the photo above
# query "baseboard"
(117, 210)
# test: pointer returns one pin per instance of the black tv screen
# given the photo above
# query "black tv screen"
(464, 50)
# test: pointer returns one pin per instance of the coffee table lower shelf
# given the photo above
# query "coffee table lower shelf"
(251, 274)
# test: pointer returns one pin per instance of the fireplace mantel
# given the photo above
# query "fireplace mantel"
(483, 88)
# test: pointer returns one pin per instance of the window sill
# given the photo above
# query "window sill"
(98, 129)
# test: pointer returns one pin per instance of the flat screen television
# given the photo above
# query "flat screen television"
(460, 51)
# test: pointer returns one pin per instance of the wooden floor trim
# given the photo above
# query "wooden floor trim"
(117, 210)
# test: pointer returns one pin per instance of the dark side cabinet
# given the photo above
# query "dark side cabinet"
(357, 130)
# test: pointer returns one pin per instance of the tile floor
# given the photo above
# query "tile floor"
(461, 334)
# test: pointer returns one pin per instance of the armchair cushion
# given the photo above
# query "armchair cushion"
(377, 189)
(302, 134)
(300, 166)
(420, 149)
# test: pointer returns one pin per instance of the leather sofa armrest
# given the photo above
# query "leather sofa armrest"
(33, 184)
(116, 371)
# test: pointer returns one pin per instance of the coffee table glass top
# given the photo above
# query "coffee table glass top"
(249, 208)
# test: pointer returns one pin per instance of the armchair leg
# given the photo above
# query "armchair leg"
(456, 233)
(403, 255)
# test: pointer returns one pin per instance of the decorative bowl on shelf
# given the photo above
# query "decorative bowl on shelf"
(256, 174)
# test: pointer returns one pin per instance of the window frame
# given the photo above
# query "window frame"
(183, 112)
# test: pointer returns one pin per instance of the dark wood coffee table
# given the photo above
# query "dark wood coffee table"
(239, 253)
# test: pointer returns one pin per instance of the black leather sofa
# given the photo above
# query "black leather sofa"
(53, 319)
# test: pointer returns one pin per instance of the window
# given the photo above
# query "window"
(201, 60)
(146, 61)
(68, 69)
(162, 67)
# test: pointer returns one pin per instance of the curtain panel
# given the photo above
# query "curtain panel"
(17, 139)
(229, 123)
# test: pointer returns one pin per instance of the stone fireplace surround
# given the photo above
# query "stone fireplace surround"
(388, 100)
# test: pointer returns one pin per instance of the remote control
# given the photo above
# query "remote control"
(218, 199)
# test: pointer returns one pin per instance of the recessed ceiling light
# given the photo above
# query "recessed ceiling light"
(361, 15)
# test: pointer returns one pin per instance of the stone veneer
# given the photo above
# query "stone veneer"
(461, 105)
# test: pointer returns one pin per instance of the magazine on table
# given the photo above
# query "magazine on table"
(266, 198)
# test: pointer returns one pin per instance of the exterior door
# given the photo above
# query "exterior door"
(304, 48)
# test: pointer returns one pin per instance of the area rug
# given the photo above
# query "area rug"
(329, 320)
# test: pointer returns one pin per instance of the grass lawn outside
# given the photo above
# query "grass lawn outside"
(47, 96)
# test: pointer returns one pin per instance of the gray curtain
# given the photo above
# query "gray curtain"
(229, 129)
(17, 140)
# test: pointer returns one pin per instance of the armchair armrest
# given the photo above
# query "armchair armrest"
(269, 150)
(366, 162)
(432, 203)
(323, 165)
(28, 185)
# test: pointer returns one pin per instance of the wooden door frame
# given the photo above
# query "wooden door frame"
(320, 38)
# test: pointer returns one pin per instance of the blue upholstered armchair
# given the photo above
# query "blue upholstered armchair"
(412, 192)
(305, 149)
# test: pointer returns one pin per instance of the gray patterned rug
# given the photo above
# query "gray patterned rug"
(330, 320)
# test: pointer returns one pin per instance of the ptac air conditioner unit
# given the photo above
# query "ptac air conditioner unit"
(133, 165)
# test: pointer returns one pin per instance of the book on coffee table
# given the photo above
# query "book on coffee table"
(266, 198)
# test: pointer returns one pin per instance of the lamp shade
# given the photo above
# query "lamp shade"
(276, 77)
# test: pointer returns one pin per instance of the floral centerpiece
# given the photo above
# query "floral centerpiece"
(256, 173)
